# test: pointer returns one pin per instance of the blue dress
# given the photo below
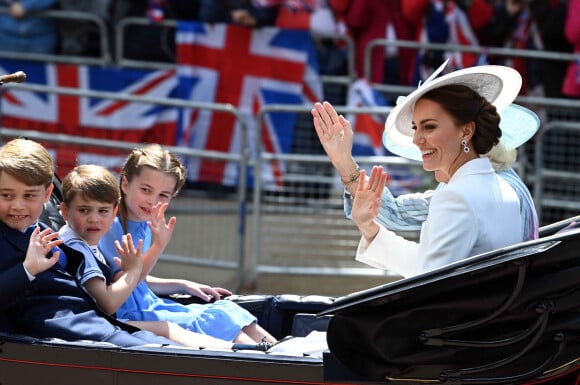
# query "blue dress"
(221, 319)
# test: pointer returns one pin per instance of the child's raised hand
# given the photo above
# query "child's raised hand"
(130, 256)
(161, 229)
(41, 243)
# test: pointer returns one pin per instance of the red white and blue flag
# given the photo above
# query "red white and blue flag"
(367, 128)
(247, 68)
(90, 117)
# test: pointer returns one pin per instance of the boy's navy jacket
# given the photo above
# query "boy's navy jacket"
(53, 305)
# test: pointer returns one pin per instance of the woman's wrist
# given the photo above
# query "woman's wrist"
(370, 230)
(349, 173)
(351, 189)
(351, 179)
(347, 168)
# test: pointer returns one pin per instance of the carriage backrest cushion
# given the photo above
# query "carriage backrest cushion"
(51, 214)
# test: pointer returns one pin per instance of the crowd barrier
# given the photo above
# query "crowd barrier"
(557, 181)
(103, 59)
(507, 53)
(236, 226)
(121, 31)
(298, 228)
(556, 115)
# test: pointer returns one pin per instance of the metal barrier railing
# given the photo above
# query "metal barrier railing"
(250, 267)
(241, 158)
(105, 51)
(498, 51)
(545, 171)
(120, 32)
(333, 215)
(536, 103)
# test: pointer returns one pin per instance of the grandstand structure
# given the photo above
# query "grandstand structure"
(292, 236)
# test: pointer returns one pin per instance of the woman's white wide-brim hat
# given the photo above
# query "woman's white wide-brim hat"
(518, 125)
(500, 85)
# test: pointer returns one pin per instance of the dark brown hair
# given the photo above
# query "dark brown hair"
(466, 105)
(92, 182)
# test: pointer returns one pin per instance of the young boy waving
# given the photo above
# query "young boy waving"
(40, 296)
(90, 202)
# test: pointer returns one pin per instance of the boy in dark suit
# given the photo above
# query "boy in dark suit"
(40, 296)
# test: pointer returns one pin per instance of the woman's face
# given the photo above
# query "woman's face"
(438, 139)
(145, 190)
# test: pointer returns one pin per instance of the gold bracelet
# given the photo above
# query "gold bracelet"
(351, 179)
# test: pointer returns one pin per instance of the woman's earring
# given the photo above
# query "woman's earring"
(464, 144)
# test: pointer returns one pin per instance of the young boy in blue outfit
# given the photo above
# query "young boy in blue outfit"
(90, 202)
(40, 296)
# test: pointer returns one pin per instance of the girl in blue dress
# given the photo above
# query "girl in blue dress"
(150, 178)
(90, 198)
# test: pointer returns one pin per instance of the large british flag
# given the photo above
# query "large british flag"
(247, 68)
(90, 117)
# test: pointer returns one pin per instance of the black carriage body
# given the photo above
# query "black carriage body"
(511, 316)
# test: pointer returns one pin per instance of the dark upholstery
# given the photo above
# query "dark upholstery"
(51, 215)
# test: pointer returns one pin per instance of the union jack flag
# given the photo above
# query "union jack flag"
(247, 68)
(368, 128)
(90, 117)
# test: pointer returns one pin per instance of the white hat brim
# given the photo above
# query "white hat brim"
(518, 125)
(500, 85)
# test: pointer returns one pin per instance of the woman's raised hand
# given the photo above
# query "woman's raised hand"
(367, 201)
(336, 136)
